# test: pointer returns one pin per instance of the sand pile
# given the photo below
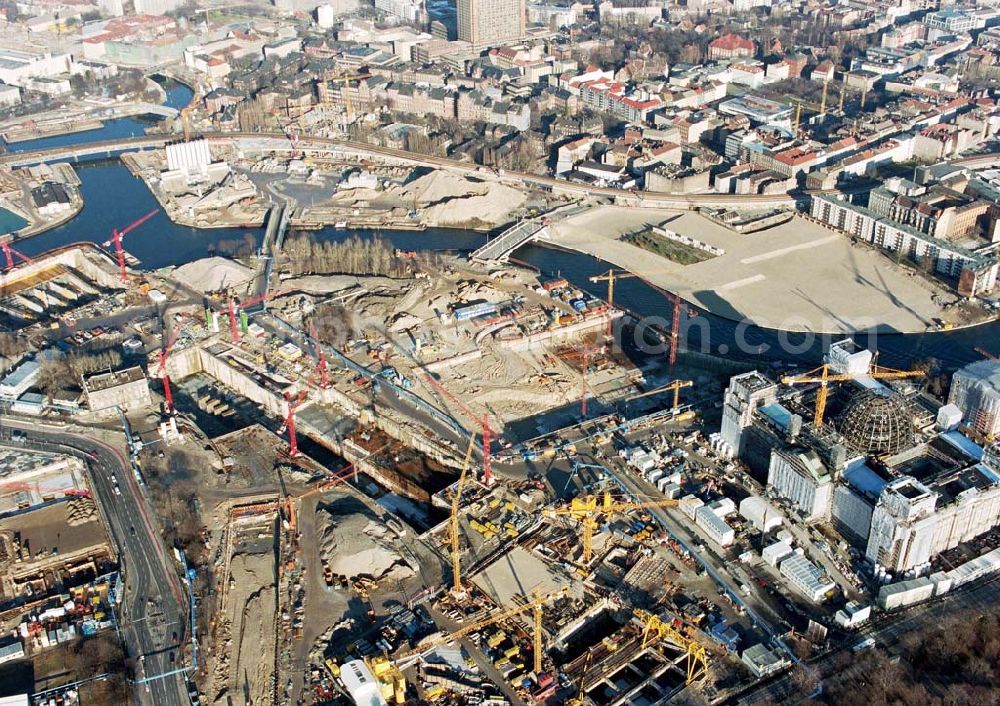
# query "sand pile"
(353, 541)
(210, 274)
(451, 199)
(492, 208)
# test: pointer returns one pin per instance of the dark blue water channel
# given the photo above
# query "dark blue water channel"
(114, 198)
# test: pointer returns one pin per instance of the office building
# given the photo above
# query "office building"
(975, 271)
(126, 389)
(900, 497)
(408, 10)
(800, 476)
(325, 16)
(111, 8)
(915, 521)
(485, 23)
(744, 396)
(17, 68)
(156, 7)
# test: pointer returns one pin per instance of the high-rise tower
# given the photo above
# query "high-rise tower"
(485, 23)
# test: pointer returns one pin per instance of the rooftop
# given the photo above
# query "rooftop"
(105, 381)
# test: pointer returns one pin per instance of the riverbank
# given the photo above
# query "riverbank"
(19, 198)
(795, 276)
(38, 131)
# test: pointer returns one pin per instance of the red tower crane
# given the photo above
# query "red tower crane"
(164, 352)
(116, 240)
(675, 324)
(484, 423)
(10, 252)
(293, 138)
(293, 403)
(321, 366)
(67, 492)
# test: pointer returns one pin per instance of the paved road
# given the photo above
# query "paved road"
(758, 611)
(152, 614)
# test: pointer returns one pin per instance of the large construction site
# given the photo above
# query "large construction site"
(432, 478)
(403, 483)
(50, 531)
(345, 564)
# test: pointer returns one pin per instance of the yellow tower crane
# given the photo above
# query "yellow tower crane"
(456, 557)
(656, 629)
(612, 276)
(824, 378)
(535, 604)
(676, 386)
(588, 508)
(578, 699)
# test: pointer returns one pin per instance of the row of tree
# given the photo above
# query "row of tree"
(954, 662)
(373, 256)
(65, 373)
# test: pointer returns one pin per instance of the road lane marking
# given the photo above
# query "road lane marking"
(735, 284)
(790, 249)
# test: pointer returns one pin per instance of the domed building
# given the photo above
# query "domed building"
(877, 422)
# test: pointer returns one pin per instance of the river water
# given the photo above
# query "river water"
(114, 198)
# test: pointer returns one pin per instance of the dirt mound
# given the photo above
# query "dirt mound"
(212, 273)
(354, 541)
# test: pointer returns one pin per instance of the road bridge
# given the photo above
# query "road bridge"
(500, 247)
(128, 109)
(278, 142)
(106, 148)
(274, 238)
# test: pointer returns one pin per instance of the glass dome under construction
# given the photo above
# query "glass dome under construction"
(877, 422)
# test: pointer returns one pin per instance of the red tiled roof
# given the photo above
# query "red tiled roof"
(731, 41)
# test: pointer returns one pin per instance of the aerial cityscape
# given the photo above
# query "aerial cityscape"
(499, 353)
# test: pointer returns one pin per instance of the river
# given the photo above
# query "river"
(114, 198)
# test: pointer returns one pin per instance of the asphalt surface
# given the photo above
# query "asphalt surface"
(153, 614)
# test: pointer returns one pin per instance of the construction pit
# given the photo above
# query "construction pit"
(336, 191)
(56, 284)
(51, 533)
(461, 343)
(521, 587)
(247, 627)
